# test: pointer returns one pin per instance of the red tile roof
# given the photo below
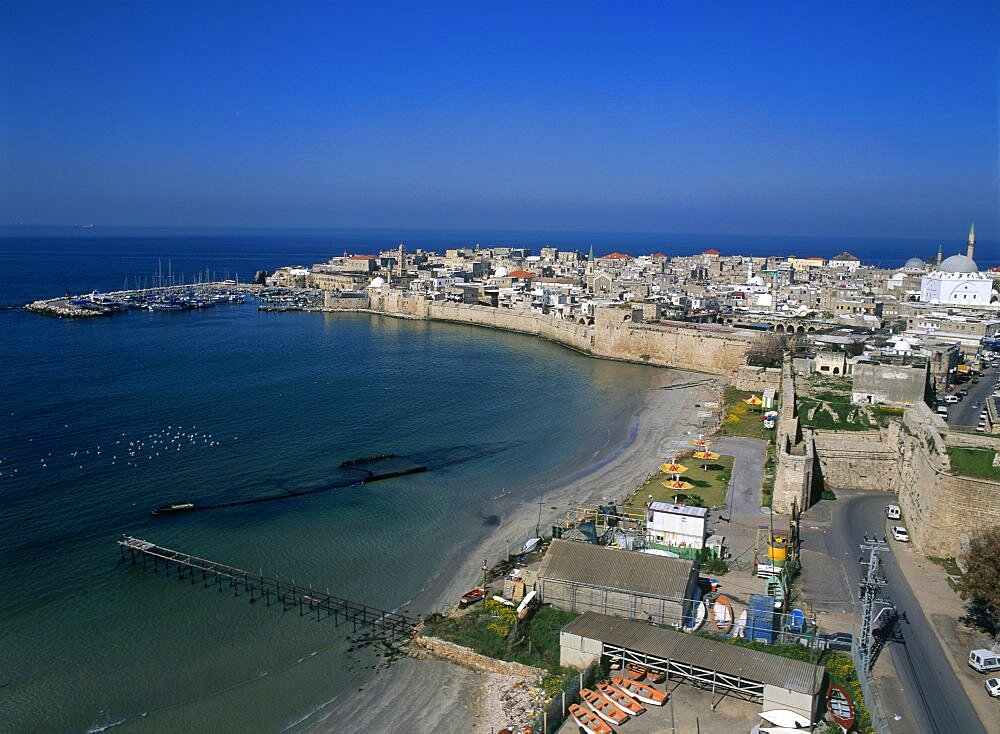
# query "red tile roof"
(616, 256)
(711, 252)
(362, 257)
(521, 274)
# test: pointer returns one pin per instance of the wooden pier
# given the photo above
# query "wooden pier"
(390, 626)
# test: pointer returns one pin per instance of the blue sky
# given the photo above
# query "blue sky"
(841, 119)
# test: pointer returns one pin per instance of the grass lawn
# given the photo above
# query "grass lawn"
(973, 463)
(472, 630)
(709, 485)
(741, 419)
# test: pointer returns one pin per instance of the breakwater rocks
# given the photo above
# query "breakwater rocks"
(62, 308)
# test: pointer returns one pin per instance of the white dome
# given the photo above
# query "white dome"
(501, 272)
(377, 282)
(958, 264)
(914, 263)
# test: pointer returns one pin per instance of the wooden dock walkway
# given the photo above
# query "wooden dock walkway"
(391, 626)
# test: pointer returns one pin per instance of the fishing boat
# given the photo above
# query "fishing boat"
(588, 720)
(722, 614)
(786, 718)
(700, 612)
(603, 707)
(774, 587)
(840, 707)
(620, 699)
(174, 507)
(525, 606)
(640, 691)
(739, 629)
(471, 597)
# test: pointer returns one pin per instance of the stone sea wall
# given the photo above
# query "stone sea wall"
(472, 660)
(866, 460)
(713, 349)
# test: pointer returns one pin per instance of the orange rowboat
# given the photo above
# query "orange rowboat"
(640, 691)
(655, 676)
(588, 720)
(621, 700)
(603, 707)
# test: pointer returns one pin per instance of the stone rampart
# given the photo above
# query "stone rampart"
(866, 460)
(713, 349)
(938, 507)
(757, 379)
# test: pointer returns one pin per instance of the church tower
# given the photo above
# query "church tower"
(972, 241)
(590, 261)
(401, 260)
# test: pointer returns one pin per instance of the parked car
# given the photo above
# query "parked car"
(899, 534)
(951, 399)
(892, 512)
(993, 687)
(963, 393)
(843, 641)
(985, 661)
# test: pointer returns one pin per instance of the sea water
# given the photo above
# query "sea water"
(104, 419)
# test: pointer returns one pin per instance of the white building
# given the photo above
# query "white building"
(676, 527)
(957, 282)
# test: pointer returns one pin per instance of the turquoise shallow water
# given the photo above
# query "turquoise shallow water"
(229, 404)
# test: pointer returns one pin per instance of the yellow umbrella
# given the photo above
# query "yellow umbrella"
(677, 484)
(754, 401)
(706, 455)
(703, 443)
(672, 468)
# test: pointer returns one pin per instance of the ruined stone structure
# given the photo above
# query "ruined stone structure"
(795, 455)
(757, 379)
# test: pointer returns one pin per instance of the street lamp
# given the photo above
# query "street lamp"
(484, 575)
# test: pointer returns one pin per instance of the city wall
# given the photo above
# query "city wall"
(938, 507)
(866, 460)
(715, 350)
(757, 379)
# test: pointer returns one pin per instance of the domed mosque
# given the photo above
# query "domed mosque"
(914, 264)
(957, 280)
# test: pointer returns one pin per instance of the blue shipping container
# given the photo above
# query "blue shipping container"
(760, 619)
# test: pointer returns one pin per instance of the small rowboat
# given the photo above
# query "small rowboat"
(622, 700)
(640, 691)
(638, 672)
(603, 707)
(722, 614)
(588, 720)
(700, 613)
(840, 707)
(785, 718)
(471, 597)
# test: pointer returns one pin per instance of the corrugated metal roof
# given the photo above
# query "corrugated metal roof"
(764, 667)
(615, 568)
(678, 509)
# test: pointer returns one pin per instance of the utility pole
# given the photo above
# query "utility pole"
(870, 584)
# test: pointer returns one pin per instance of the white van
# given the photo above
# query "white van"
(985, 661)
(892, 512)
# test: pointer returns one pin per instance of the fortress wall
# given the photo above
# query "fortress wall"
(757, 379)
(671, 346)
(678, 346)
(866, 460)
(938, 507)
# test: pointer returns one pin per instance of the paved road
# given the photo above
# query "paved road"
(831, 533)
(963, 413)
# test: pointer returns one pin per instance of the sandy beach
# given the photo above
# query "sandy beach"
(440, 696)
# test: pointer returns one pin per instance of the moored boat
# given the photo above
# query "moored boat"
(174, 507)
(700, 612)
(641, 671)
(739, 629)
(640, 691)
(620, 699)
(603, 707)
(588, 720)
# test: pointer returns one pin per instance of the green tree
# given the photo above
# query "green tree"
(981, 581)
